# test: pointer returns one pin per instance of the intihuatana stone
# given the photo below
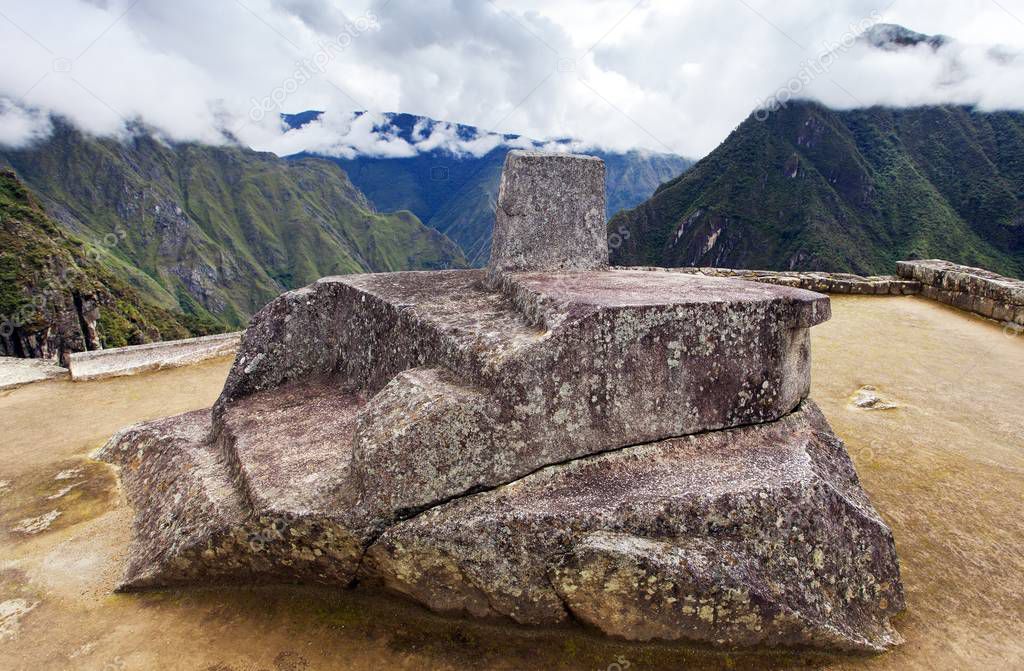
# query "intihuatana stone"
(547, 366)
(632, 448)
(550, 215)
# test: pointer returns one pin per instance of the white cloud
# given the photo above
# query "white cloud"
(663, 74)
(348, 134)
(343, 134)
(19, 127)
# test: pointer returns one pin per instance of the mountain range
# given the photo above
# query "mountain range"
(56, 295)
(802, 186)
(166, 240)
(812, 188)
(215, 232)
(112, 241)
(454, 191)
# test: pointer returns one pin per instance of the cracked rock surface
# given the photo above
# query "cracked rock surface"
(634, 450)
(757, 535)
(585, 434)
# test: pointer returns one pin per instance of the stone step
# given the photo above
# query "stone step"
(425, 439)
(195, 522)
(290, 449)
(365, 329)
(190, 520)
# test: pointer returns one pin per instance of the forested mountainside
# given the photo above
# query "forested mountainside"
(812, 188)
(214, 232)
(57, 295)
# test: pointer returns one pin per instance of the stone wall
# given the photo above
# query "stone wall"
(972, 289)
(152, 356)
(825, 283)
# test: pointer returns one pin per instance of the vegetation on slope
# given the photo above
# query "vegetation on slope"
(57, 295)
(815, 189)
(216, 232)
(456, 195)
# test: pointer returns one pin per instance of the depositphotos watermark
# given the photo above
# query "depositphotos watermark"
(616, 239)
(620, 664)
(815, 67)
(308, 68)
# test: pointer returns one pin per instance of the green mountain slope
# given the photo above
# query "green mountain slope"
(216, 232)
(816, 189)
(57, 296)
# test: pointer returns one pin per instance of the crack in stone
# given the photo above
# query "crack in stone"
(412, 513)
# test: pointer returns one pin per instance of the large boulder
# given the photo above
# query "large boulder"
(543, 368)
(630, 448)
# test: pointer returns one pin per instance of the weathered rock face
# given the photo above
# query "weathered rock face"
(195, 524)
(549, 366)
(758, 535)
(66, 322)
(550, 214)
(633, 449)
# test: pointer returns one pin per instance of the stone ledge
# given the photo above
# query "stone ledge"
(135, 359)
(16, 372)
(822, 282)
(973, 289)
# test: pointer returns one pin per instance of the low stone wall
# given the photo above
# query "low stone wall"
(825, 283)
(154, 356)
(15, 372)
(972, 289)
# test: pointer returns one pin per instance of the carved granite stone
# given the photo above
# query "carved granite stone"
(728, 537)
(550, 214)
(630, 448)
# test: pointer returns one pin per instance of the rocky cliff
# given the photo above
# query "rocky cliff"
(59, 294)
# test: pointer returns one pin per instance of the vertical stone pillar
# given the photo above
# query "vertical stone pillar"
(551, 214)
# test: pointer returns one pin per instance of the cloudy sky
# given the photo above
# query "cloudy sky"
(666, 75)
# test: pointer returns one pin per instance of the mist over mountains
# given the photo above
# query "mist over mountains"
(175, 239)
(194, 237)
(802, 186)
(215, 232)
